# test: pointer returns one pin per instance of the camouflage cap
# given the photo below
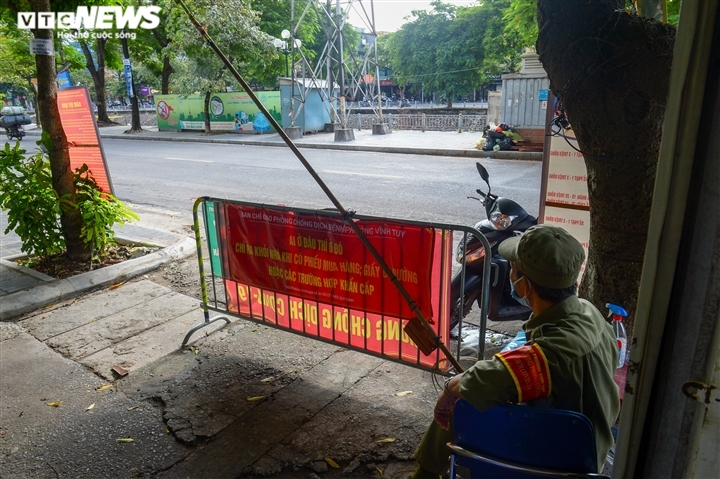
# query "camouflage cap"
(548, 255)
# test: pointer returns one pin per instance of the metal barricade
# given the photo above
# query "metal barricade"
(366, 330)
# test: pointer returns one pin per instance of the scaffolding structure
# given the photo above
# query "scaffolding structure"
(344, 72)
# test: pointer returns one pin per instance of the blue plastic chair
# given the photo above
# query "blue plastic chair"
(522, 442)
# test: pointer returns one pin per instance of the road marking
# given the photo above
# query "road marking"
(360, 174)
(187, 159)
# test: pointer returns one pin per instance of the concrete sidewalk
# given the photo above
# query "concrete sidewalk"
(98, 386)
(23, 289)
(436, 143)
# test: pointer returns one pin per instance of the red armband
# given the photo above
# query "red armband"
(529, 369)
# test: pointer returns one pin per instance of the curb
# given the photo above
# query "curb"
(41, 295)
(496, 155)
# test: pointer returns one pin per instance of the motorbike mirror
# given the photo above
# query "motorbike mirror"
(483, 173)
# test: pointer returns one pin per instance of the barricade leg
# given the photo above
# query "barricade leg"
(203, 282)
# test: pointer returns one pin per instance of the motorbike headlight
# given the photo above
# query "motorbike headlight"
(499, 220)
(476, 253)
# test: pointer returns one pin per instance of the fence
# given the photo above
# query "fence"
(306, 272)
(422, 122)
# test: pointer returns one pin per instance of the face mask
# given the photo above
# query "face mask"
(524, 301)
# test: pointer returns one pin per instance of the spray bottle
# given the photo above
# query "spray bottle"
(618, 313)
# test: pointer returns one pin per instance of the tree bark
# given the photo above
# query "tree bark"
(54, 139)
(98, 76)
(135, 125)
(207, 113)
(166, 72)
(611, 71)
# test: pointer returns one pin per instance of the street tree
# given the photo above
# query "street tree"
(453, 49)
(54, 139)
(233, 25)
(100, 54)
(275, 16)
(610, 69)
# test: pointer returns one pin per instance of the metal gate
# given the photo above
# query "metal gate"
(305, 307)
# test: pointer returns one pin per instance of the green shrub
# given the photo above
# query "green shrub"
(100, 211)
(33, 207)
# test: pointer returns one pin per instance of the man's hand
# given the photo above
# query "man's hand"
(444, 409)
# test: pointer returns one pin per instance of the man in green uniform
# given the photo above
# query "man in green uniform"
(569, 359)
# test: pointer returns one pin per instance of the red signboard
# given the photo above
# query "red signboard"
(78, 122)
(312, 274)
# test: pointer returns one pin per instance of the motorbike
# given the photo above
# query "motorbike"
(16, 131)
(505, 218)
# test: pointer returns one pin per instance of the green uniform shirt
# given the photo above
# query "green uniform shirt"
(577, 353)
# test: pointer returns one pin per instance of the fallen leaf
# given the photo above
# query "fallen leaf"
(379, 471)
(332, 463)
(125, 439)
(387, 440)
(255, 398)
(132, 408)
(167, 430)
(197, 351)
(90, 407)
(116, 285)
(403, 393)
(268, 380)
(102, 388)
(54, 404)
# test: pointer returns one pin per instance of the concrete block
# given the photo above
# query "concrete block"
(330, 127)
(294, 132)
(344, 134)
(381, 129)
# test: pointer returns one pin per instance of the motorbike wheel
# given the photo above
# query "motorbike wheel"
(460, 307)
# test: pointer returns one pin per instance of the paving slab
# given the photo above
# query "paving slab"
(109, 330)
(69, 315)
(318, 387)
(44, 442)
(140, 350)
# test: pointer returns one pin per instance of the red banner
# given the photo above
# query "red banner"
(322, 259)
(311, 274)
(78, 122)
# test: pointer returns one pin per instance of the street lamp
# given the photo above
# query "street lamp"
(282, 45)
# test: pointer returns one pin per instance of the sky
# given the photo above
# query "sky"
(389, 14)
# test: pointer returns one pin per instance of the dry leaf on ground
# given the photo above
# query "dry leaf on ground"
(403, 393)
(90, 407)
(387, 440)
(54, 404)
(255, 398)
(125, 439)
(332, 463)
(102, 388)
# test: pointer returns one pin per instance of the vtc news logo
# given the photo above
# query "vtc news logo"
(92, 18)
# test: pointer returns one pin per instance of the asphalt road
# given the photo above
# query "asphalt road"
(425, 188)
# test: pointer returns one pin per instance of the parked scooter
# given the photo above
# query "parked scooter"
(505, 218)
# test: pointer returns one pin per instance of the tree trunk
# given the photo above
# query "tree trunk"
(207, 113)
(54, 139)
(135, 125)
(166, 72)
(611, 70)
(98, 76)
(449, 101)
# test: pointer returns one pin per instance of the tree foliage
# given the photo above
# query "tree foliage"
(453, 49)
(234, 26)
